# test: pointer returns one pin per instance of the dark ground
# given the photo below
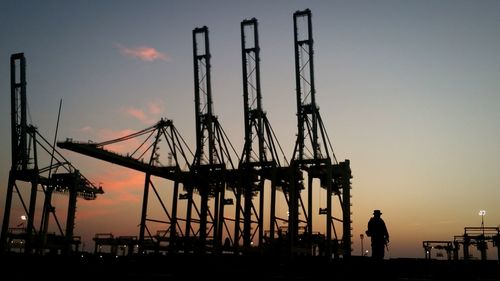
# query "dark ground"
(182, 267)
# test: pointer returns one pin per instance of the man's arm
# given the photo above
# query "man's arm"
(386, 233)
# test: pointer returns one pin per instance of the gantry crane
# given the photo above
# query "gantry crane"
(260, 160)
(313, 153)
(212, 163)
(29, 165)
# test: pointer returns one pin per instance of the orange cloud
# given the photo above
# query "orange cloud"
(94, 209)
(143, 53)
(123, 190)
(120, 185)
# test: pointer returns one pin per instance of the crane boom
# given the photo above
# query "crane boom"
(92, 150)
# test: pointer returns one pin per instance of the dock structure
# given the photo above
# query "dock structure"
(218, 200)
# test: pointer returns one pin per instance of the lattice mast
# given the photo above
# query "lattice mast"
(19, 148)
(313, 152)
(19, 125)
(212, 150)
(260, 156)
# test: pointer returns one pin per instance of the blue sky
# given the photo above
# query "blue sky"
(409, 92)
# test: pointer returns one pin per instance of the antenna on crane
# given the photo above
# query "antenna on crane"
(55, 138)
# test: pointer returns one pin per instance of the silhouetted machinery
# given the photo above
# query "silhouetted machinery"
(478, 236)
(30, 154)
(216, 199)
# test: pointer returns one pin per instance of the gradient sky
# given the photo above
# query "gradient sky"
(409, 91)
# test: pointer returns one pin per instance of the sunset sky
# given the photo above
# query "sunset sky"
(409, 91)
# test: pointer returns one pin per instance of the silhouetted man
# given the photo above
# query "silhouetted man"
(377, 230)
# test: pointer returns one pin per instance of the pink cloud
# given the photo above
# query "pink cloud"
(143, 53)
(108, 134)
(123, 147)
(155, 108)
(122, 189)
(145, 116)
(120, 184)
(137, 113)
(95, 209)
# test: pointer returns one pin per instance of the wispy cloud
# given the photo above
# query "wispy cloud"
(148, 115)
(119, 147)
(122, 189)
(85, 129)
(137, 113)
(120, 184)
(144, 53)
(155, 108)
